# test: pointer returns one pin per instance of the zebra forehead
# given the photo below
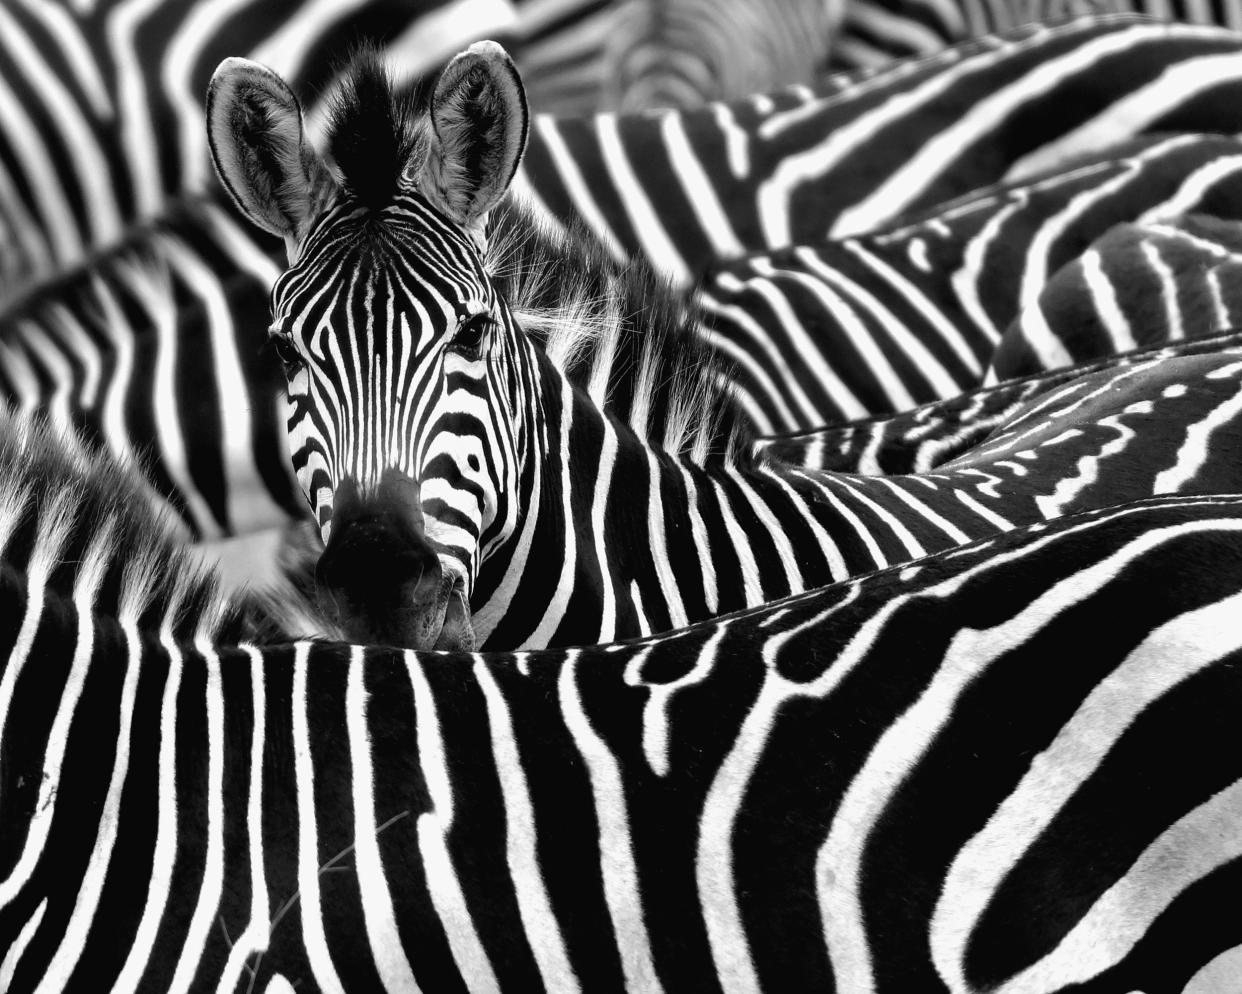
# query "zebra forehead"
(405, 259)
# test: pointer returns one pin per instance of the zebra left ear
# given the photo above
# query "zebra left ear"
(481, 122)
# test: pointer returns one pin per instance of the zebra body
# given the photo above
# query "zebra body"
(915, 310)
(684, 53)
(686, 189)
(873, 33)
(460, 478)
(1141, 284)
(988, 806)
(152, 351)
(198, 458)
(925, 437)
(681, 189)
(582, 56)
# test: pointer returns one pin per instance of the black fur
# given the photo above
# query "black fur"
(541, 272)
(373, 129)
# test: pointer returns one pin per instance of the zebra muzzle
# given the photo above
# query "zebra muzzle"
(379, 578)
(456, 631)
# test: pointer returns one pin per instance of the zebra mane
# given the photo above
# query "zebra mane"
(70, 516)
(376, 130)
(621, 333)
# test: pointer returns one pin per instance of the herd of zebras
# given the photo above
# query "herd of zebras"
(774, 473)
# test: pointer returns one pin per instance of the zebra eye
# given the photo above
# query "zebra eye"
(469, 337)
(287, 353)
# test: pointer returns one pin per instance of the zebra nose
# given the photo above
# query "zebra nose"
(379, 578)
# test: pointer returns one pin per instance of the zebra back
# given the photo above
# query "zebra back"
(154, 350)
(933, 751)
(915, 310)
(925, 437)
(797, 166)
(1156, 280)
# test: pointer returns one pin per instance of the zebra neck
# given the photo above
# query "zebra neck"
(619, 539)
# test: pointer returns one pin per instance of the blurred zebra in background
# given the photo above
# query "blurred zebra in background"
(580, 56)
(101, 103)
(156, 348)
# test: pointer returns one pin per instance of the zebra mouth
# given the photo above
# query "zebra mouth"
(456, 631)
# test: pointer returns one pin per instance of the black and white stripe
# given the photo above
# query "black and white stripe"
(916, 310)
(873, 33)
(101, 103)
(210, 494)
(795, 167)
(989, 805)
(1156, 280)
(429, 427)
(154, 351)
(927, 436)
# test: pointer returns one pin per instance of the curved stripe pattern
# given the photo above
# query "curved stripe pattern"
(987, 774)
(919, 440)
(100, 103)
(129, 385)
(425, 421)
(985, 287)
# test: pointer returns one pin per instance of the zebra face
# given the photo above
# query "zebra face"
(401, 426)
(404, 427)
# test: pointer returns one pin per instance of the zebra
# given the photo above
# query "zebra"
(583, 56)
(918, 310)
(1150, 281)
(997, 803)
(469, 492)
(151, 350)
(198, 458)
(928, 436)
(580, 56)
(681, 189)
(684, 53)
(51, 344)
(100, 103)
(873, 33)
(684, 190)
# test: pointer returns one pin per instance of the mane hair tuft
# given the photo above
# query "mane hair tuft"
(622, 333)
(373, 129)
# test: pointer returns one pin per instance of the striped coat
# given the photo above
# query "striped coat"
(990, 805)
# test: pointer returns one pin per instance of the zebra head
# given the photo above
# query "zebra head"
(394, 341)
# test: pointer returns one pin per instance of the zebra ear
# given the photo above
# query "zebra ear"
(259, 147)
(481, 122)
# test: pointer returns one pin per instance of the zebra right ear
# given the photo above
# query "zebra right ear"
(260, 151)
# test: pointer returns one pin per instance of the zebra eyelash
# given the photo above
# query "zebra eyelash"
(285, 351)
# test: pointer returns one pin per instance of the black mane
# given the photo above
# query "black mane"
(631, 323)
(375, 128)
